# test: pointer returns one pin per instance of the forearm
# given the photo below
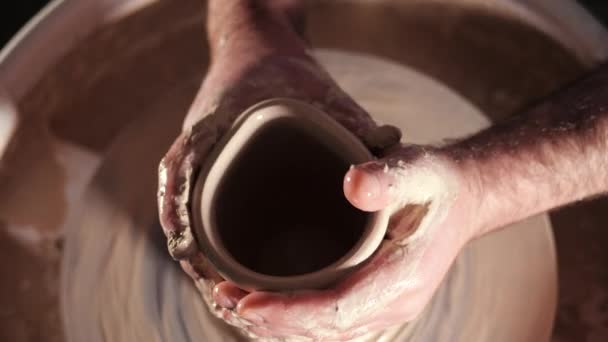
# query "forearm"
(253, 47)
(551, 155)
(254, 27)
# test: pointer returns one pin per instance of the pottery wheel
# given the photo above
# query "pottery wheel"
(119, 283)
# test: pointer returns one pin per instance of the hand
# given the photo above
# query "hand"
(433, 217)
(550, 155)
(255, 55)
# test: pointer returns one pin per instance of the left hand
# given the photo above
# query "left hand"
(256, 54)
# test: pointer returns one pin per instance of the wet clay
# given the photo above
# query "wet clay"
(280, 209)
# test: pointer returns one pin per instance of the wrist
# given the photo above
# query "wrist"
(470, 192)
(449, 189)
(499, 192)
(244, 27)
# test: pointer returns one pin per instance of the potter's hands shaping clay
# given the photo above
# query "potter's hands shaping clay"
(551, 155)
(256, 54)
(431, 202)
(440, 198)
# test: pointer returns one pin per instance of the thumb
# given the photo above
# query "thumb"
(367, 186)
(410, 176)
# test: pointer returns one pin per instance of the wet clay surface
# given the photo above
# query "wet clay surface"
(110, 79)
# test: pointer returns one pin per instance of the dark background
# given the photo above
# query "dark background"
(14, 14)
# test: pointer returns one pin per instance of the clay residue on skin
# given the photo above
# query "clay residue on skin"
(431, 185)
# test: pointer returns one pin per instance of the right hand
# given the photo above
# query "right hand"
(432, 204)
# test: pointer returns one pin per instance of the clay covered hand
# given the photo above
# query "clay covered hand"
(256, 54)
(430, 199)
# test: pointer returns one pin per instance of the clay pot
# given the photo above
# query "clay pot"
(269, 210)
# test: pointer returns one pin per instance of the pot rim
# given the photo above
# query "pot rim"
(327, 130)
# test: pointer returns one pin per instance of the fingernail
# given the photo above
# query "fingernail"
(372, 166)
(364, 185)
(368, 186)
(229, 297)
